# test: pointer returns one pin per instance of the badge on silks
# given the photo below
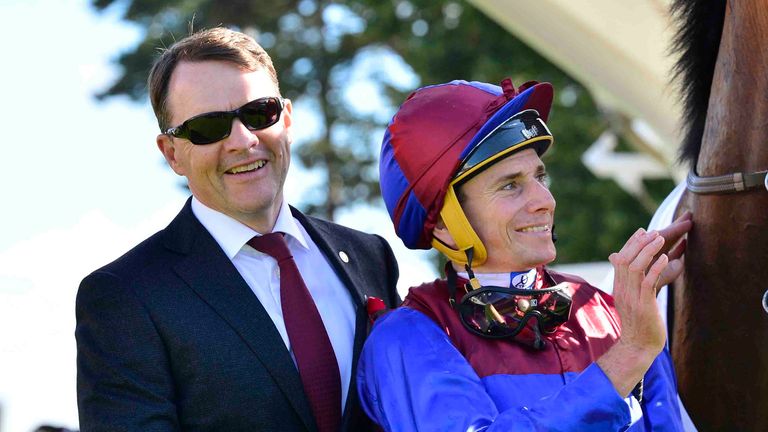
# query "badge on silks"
(523, 280)
(520, 314)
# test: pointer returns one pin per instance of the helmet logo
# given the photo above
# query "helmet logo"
(530, 133)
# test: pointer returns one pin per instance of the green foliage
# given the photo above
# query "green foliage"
(315, 53)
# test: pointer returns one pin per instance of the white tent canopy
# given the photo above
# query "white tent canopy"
(617, 49)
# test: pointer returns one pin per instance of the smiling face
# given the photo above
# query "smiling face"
(242, 175)
(511, 209)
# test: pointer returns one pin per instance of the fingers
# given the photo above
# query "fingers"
(677, 251)
(634, 245)
(620, 260)
(636, 272)
(673, 270)
(646, 254)
(687, 215)
(677, 229)
(630, 264)
(653, 278)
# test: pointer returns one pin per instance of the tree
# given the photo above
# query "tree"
(316, 46)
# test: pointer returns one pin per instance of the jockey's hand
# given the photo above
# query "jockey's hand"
(637, 270)
(638, 267)
(674, 247)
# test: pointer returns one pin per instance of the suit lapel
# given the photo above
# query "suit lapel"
(208, 271)
(333, 246)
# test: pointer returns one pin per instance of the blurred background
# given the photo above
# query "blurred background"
(82, 181)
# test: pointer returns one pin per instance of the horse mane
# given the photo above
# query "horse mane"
(696, 41)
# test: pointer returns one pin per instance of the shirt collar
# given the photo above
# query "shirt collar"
(519, 280)
(232, 235)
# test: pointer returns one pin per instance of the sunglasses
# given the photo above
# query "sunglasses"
(522, 314)
(210, 127)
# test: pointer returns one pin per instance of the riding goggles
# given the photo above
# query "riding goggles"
(522, 314)
(211, 127)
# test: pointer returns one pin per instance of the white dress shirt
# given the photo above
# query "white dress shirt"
(333, 300)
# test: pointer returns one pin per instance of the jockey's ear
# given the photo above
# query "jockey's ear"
(441, 233)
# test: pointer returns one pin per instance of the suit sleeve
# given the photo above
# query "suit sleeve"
(412, 378)
(123, 378)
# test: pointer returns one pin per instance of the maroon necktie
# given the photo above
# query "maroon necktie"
(311, 346)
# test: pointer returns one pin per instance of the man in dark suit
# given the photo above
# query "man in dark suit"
(202, 326)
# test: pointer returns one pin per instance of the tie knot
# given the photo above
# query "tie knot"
(272, 244)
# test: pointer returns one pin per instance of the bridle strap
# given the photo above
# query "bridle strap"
(729, 183)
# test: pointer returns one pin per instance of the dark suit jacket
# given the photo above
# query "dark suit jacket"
(170, 337)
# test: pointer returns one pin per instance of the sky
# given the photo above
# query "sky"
(82, 182)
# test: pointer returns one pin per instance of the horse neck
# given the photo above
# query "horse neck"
(720, 329)
(735, 136)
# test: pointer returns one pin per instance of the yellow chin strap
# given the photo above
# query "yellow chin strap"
(458, 226)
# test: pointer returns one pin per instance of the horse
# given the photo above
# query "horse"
(719, 330)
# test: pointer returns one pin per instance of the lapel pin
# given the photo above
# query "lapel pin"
(344, 257)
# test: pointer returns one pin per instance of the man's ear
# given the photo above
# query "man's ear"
(440, 232)
(287, 113)
(168, 148)
(287, 119)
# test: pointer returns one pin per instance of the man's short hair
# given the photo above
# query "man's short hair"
(217, 44)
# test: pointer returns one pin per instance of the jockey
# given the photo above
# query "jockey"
(502, 342)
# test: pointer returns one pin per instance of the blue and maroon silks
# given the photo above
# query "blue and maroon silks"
(421, 370)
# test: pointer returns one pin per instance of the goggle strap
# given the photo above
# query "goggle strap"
(470, 254)
(452, 280)
(450, 275)
(538, 341)
(473, 283)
